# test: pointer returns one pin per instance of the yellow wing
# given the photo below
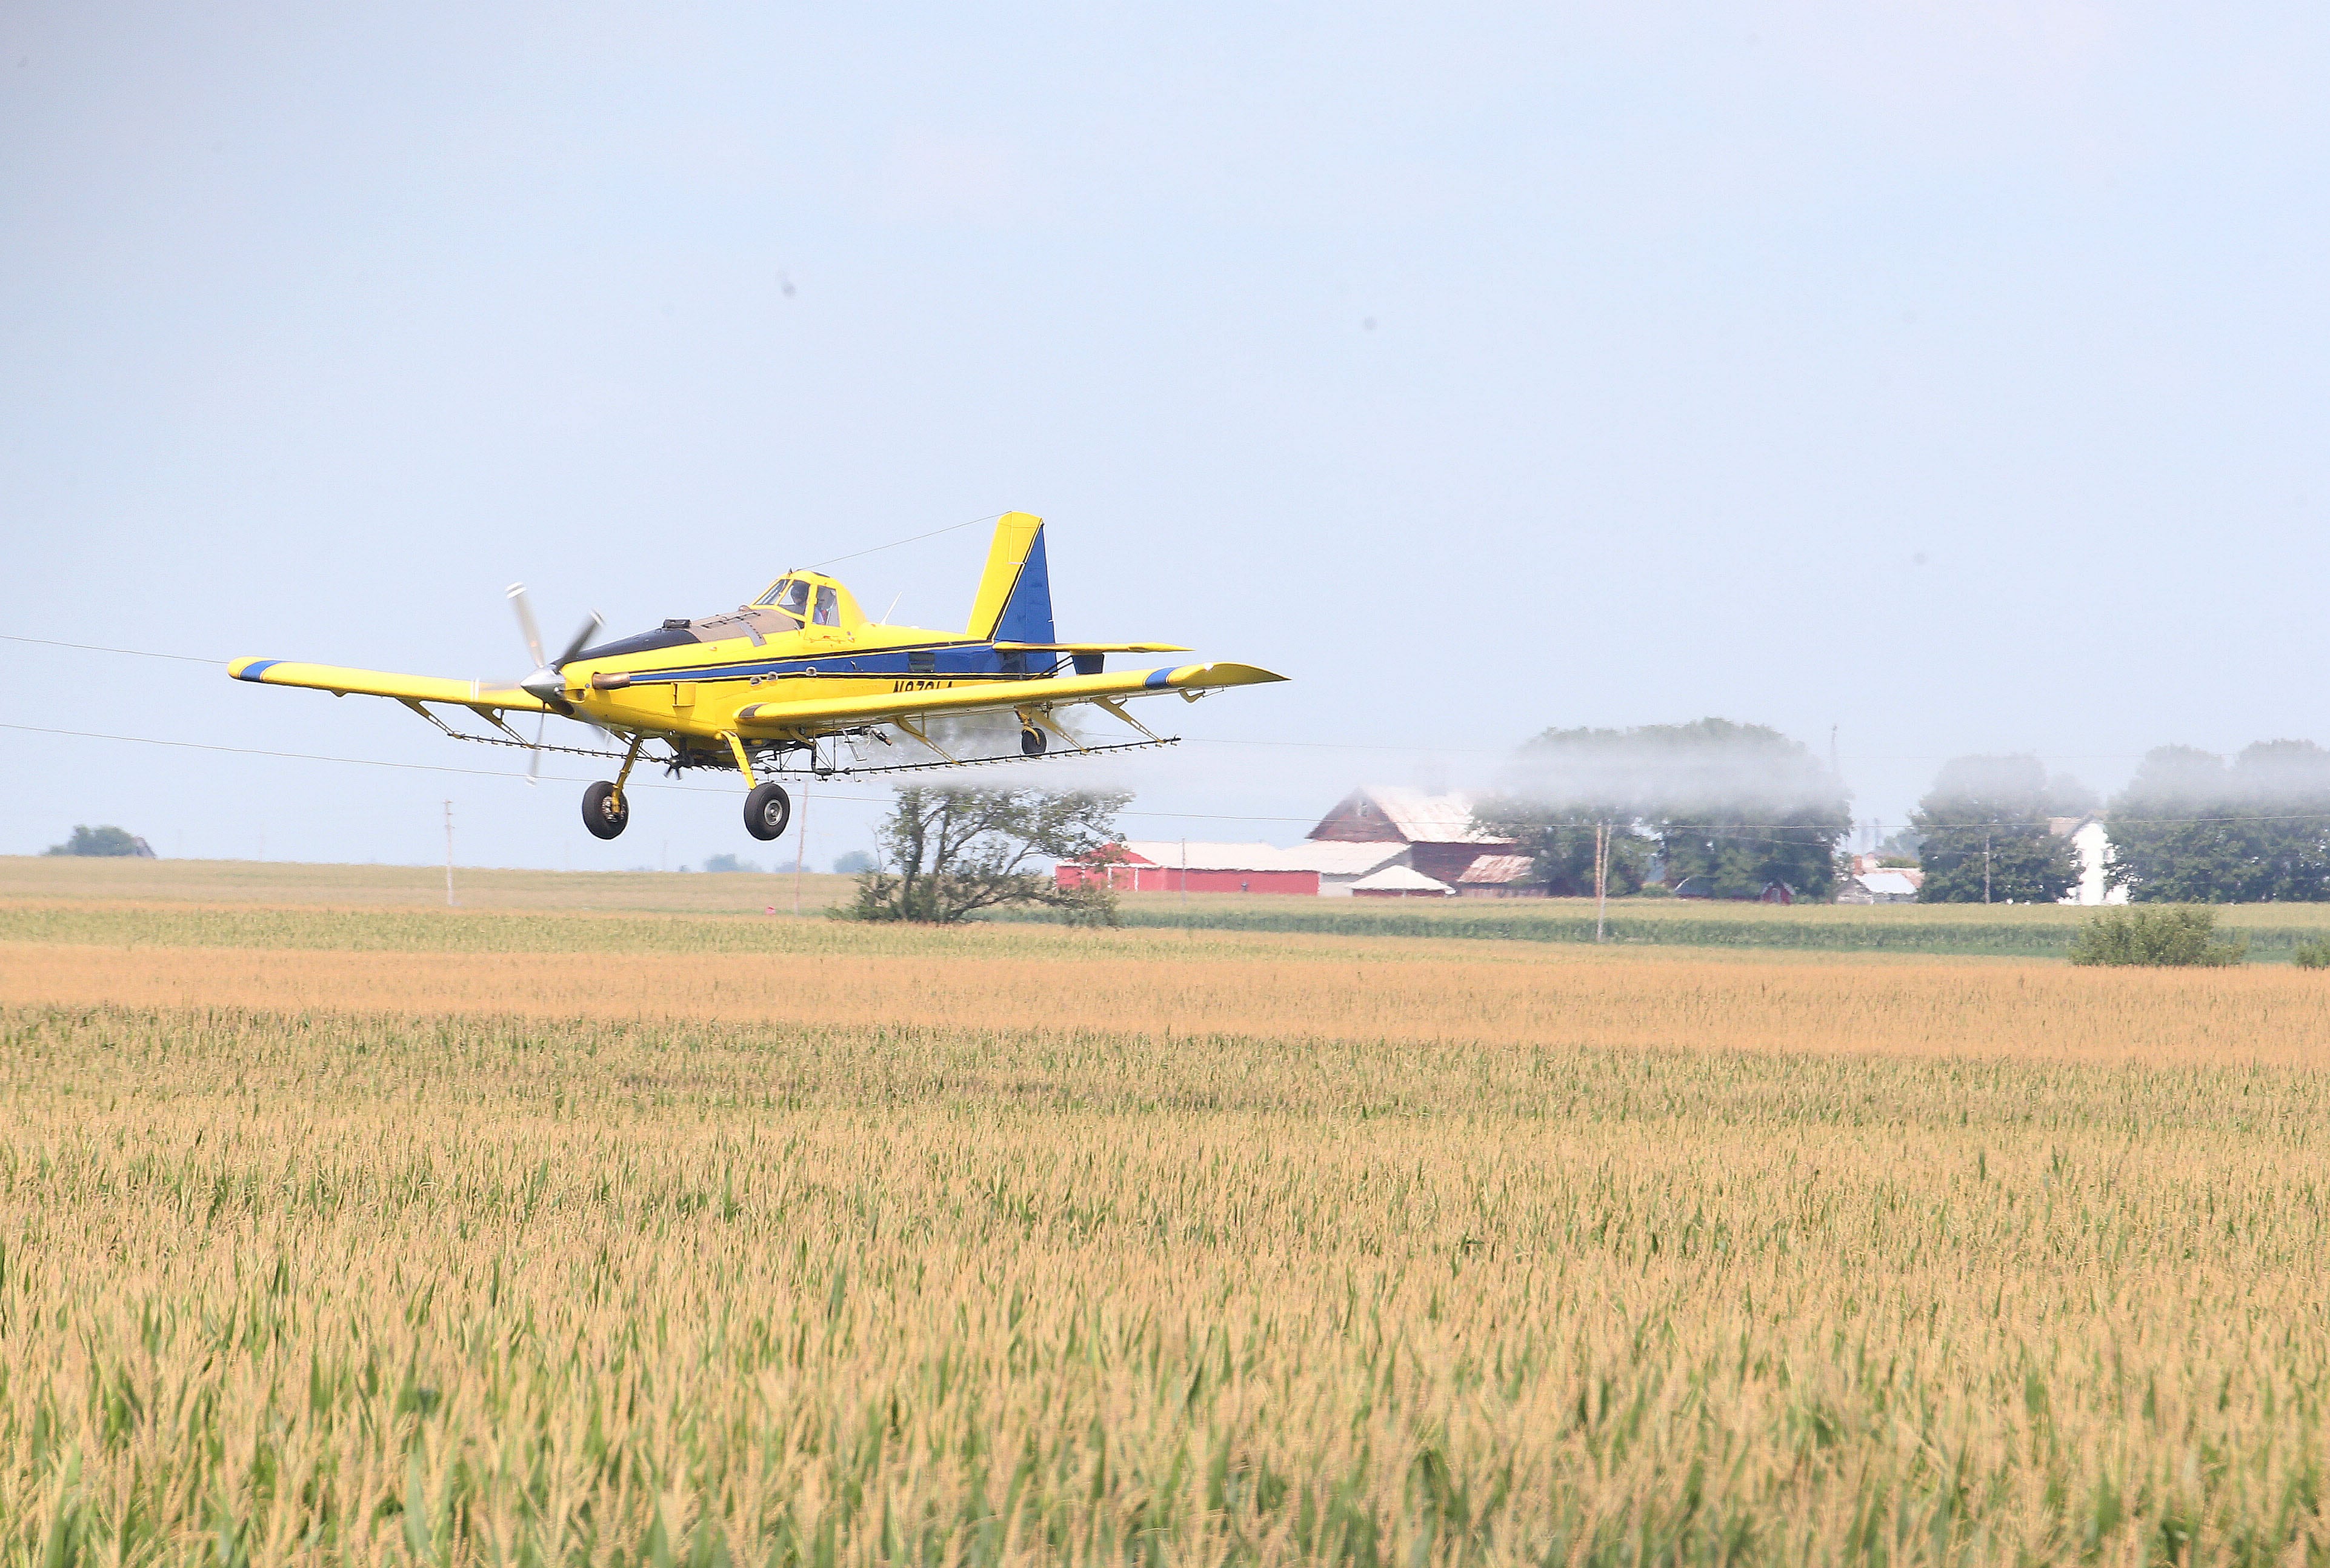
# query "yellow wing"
(475, 695)
(821, 713)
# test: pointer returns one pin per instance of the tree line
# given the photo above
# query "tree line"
(1726, 809)
(1733, 811)
(2190, 828)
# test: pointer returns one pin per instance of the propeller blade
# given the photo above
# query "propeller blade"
(525, 622)
(534, 758)
(590, 629)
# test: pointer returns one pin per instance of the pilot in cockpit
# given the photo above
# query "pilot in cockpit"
(791, 596)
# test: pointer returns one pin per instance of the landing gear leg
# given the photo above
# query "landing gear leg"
(605, 812)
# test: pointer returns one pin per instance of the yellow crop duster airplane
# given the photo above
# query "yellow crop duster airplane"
(779, 684)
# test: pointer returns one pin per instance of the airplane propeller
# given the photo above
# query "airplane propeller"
(546, 682)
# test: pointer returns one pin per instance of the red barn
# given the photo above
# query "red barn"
(1169, 865)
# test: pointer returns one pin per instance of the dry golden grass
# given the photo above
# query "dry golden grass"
(51, 877)
(1228, 984)
(1038, 1245)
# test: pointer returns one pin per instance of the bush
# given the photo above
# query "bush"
(2160, 937)
(2312, 953)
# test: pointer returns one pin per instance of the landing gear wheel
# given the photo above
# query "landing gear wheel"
(1032, 741)
(606, 813)
(767, 809)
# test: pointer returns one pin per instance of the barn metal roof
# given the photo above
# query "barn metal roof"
(1495, 869)
(1887, 883)
(1169, 854)
(1424, 818)
(1398, 879)
(1332, 858)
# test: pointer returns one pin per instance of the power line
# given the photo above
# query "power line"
(95, 648)
(917, 539)
(294, 756)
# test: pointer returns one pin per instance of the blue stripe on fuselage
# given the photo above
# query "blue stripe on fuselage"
(947, 659)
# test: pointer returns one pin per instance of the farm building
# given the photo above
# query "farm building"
(1880, 885)
(1341, 865)
(1171, 866)
(1498, 876)
(1707, 887)
(1399, 882)
(1437, 831)
(1355, 849)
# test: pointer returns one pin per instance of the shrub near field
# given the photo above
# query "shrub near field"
(287, 1287)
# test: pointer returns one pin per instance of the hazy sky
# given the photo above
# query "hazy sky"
(1951, 373)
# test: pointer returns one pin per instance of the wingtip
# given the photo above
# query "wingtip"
(1241, 675)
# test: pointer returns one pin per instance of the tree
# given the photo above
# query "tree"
(1739, 805)
(100, 840)
(949, 854)
(2189, 830)
(1987, 837)
(729, 863)
(854, 863)
(1575, 782)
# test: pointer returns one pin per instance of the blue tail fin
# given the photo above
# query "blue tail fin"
(1015, 591)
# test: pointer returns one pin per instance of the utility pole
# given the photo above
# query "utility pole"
(801, 849)
(1601, 875)
(451, 902)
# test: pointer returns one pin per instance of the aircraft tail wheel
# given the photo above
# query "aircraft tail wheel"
(605, 812)
(767, 809)
(1032, 741)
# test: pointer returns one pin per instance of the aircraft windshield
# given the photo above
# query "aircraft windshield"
(791, 596)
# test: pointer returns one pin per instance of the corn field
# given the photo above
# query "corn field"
(650, 1252)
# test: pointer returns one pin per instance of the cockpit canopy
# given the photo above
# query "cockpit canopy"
(795, 601)
(813, 598)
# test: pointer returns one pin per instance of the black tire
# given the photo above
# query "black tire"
(767, 809)
(605, 812)
(1032, 741)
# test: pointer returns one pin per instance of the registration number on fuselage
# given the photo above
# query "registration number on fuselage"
(920, 685)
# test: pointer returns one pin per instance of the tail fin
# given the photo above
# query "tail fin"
(1015, 591)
